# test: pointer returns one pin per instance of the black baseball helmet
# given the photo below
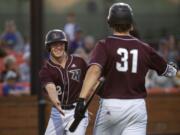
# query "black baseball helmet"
(55, 35)
(120, 13)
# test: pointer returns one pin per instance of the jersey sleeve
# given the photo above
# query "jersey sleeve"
(156, 62)
(45, 77)
(99, 55)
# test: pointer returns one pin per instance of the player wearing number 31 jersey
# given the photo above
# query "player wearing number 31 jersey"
(124, 61)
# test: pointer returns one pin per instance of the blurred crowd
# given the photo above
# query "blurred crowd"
(169, 48)
(15, 62)
(15, 57)
(79, 43)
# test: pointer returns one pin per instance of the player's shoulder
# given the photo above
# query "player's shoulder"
(143, 45)
(43, 69)
(46, 66)
(77, 58)
(49, 69)
(101, 43)
(150, 49)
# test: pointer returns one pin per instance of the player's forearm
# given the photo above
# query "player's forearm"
(52, 93)
(90, 81)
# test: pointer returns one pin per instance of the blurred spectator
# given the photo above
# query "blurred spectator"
(26, 47)
(169, 52)
(91, 6)
(70, 26)
(2, 51)
(84, 50)
(172, 54)
(89, 44)
(10, 65)
(163, 48)
(177, 80)
(81, 53)
(12, 37)
(11, 87)
(24, 68)
(78, 40)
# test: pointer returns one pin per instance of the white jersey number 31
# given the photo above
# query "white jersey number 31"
(123, 66)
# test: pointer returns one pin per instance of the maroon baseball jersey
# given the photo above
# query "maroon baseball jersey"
(125, 61)
(68, 80)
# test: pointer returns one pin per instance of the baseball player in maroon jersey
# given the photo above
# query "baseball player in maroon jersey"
(124, 61)
(62, 76)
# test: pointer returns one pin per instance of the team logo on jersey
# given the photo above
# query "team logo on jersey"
(76, 74)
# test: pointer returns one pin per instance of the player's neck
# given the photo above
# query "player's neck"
(59, 61)
(121, 33)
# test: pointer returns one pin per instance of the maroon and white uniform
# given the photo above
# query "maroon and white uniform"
(125, 61)
(68, 82)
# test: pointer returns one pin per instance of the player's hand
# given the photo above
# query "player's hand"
(79, 108)
(58, 107)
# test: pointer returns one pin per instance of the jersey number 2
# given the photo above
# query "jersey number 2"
(123, 66)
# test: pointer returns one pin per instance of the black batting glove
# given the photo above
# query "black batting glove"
(79, 114)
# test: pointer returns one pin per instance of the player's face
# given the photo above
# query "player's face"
(58, 49)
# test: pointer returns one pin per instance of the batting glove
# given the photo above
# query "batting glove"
(174, 65)
(79, 113)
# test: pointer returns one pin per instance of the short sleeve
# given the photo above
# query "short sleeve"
(99, 55)
(45, 77)
(156, 62)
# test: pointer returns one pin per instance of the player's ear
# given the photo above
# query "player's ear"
(132, 28)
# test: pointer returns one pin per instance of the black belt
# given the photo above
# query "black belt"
(68, 107)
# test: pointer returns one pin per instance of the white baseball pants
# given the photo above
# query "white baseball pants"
(59, 125)
(121, 117)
